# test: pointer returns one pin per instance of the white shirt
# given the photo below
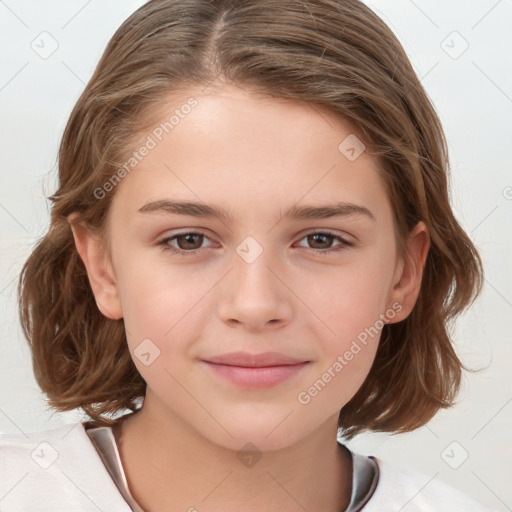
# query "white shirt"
(61, 470)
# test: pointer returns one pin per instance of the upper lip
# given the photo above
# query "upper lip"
(255, 360)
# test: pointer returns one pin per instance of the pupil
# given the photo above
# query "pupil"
(189, 239)
(320, 238)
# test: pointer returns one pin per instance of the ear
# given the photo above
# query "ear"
(99, 268)
(409, 272)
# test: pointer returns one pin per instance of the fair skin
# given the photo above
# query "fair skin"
(257, 158)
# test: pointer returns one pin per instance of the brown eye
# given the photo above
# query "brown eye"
(324, 243)
(189, 241)
(320, 240)
(184, 244)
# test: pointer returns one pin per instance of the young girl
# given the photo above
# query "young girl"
(252, 250)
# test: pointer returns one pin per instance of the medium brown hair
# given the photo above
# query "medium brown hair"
(336, 54)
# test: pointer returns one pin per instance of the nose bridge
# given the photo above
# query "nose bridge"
(252, 294)
(251, 274)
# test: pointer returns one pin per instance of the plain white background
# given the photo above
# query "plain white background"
(461, 52)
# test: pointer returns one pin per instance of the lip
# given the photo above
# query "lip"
(255, 370)
(248, 360)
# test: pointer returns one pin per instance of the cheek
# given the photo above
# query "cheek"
(163, 305)
(352, 298)
(156, 296)
(348, 338)
(351, 304)
(339, 374)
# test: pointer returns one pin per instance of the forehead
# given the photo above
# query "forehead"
(248, 151)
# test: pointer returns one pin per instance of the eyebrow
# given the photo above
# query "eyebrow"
(294, 213)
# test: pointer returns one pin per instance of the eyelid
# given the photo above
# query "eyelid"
(338, 234)
(189, 231)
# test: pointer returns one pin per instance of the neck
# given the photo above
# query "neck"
(170, 466)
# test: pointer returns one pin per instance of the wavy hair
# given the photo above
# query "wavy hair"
(337, 54)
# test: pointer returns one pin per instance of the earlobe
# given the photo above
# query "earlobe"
(407, 288)
(99, 268)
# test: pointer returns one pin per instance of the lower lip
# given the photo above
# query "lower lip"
(263, 377)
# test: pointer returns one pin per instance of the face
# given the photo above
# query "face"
(260, 323)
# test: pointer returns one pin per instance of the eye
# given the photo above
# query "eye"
(322, 242)
(189, 243)
(186, 243)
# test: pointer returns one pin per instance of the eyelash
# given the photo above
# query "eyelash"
(323, 252)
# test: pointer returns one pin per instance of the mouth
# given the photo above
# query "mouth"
(255, 370)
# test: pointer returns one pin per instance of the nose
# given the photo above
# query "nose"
(254, 295)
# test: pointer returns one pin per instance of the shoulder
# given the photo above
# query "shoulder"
(56, 470)
(409, 491)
